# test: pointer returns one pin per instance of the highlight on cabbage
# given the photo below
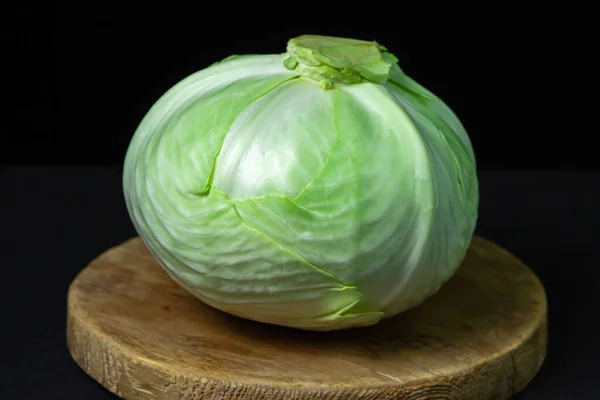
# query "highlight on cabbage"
(321, 188)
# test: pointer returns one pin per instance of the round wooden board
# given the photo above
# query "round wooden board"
(482, 336)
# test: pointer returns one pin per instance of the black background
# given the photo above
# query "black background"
(79, 80)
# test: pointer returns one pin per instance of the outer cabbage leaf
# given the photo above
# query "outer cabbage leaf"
(195, 232)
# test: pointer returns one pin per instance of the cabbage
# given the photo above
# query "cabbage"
(319, 189)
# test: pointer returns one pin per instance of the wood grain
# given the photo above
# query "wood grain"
(482, 336)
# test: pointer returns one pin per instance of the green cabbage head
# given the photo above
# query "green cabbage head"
(321, 188)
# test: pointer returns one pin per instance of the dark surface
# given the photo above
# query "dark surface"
(56, 220)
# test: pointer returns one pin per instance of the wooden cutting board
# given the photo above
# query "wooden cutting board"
(132, 329)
